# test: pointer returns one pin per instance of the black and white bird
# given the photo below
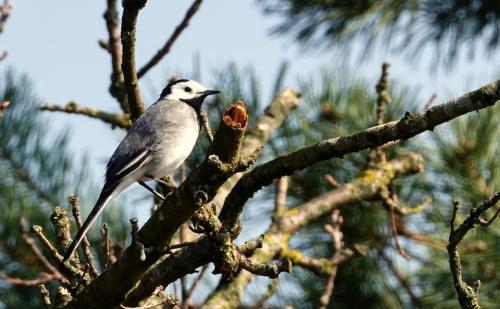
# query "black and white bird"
(155, 145)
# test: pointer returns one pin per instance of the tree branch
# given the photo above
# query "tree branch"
(202, 251)
(408, 126)
(5, 10)
(364, 187)
(467, 295)
(274, 116)
(115, 120)
(113, 45)
(129, 19)
(74, 201)
(168, 45)
(111, 286)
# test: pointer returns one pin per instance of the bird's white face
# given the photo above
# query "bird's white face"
(185, 90)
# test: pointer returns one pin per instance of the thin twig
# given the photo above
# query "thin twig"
(43, 278)
(75, 208)
(383, 96)
(467, 295)
(430, 101)
(121, 121)
(30, 242)
(390, 199)
(129, 19)
(4, 55)
(280, 197)
(109, 257)
(334, 230)
(113, 45)
(168, 45)
(206, 125)
(67, 269)
(5, 11)
(44, 293)
(46, 243)
(135, 239)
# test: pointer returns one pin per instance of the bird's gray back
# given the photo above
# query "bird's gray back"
(162, 123)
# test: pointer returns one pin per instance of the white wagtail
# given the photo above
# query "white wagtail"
(155, 145)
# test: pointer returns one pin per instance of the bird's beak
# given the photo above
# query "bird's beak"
(210, 92)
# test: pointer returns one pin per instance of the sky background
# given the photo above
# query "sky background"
(55, 43)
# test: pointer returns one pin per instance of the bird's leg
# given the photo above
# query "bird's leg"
(170, 183)
(158, 195)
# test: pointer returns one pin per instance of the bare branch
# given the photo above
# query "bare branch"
(47, 244)
(334, 230)
(75, 208)
(407, 127)
(157, 232)
(42, 260)
(109, 257)
(390, 199)
(206, 125)
(275, 114)
(271, 270)
(113, 45)
(43, 278)
(4, 54)
(295, 218)
(383, 95)
(121, 121)
(430, 101)
(280, 197)
(44, 293)
(3, 106)
(5, 11)
(168, 45)
(467, 295)
(129, 19)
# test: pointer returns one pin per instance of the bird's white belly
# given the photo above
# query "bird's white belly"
(174, 151)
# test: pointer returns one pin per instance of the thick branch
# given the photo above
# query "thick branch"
(129, 19)
(166, 272)
(274, 116)
(201, 185)
(121, 121)
(168, 45)
(365, 187)
(408, 126)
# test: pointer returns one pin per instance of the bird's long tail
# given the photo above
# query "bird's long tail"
(106, 195)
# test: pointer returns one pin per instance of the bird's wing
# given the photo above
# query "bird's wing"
(134, 151)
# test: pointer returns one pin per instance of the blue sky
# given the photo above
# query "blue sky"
(55, 42)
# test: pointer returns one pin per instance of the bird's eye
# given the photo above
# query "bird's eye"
(188, 89)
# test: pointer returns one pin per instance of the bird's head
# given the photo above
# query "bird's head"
(188, 91)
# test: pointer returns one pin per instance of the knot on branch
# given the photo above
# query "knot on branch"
(206, 221)
(139, 247)
(229, 136)
(62, 223)
(233, 258)
(250, 246)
